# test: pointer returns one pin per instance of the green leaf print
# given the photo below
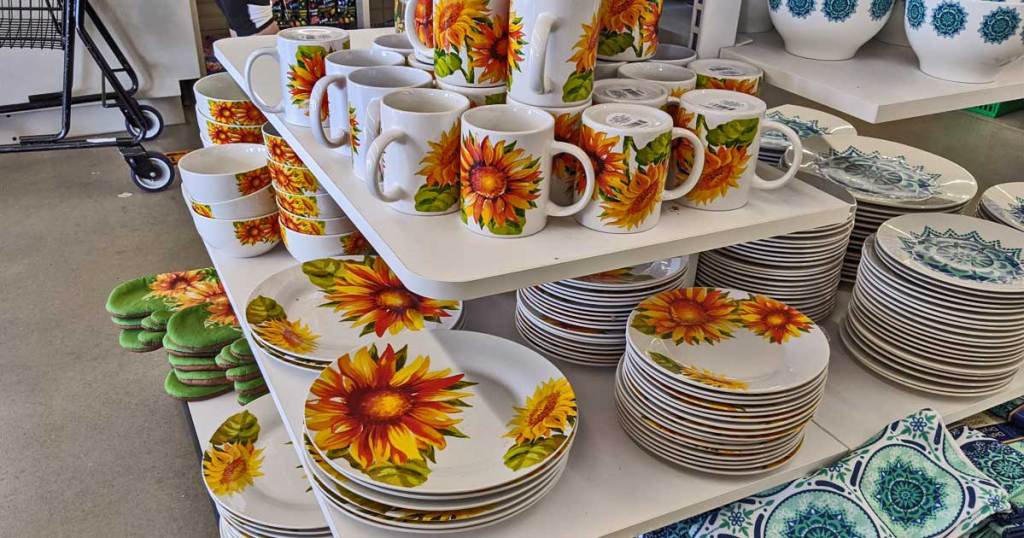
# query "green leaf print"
(262, 309)
(655, 151)
(238, 428)
(446, 63)
(578, 86)
(612, 43)
(665, 362)
(531, 453)
(734, 133)
(495, 99)
(436, 198)
(407, 475)
(322, 272)
(509, 228)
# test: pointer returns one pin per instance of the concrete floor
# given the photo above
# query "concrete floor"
(90, 445)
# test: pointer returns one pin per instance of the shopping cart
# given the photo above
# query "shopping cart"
(55, 24)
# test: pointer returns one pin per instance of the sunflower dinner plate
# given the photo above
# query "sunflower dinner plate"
(440, 413)
(321, 309)
(251, 470)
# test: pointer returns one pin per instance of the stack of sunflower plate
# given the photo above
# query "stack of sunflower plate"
(721, 381)
(582, 320)
(888, 179)
(801, 268)
(310, 314)
(433, 432)
(1003, 204)
(254, 477)
(939, 304)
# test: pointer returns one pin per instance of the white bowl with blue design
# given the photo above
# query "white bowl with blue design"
(1004, 204)
(965, 40)
(828, 29)
(887, 173)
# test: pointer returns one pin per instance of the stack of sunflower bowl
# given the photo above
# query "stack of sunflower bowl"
(227, 189)
(312, 225)
(224, 113)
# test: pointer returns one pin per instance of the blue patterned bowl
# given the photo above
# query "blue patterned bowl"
(965, 40)
(828, 29)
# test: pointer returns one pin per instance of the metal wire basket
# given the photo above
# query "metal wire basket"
(32, 24)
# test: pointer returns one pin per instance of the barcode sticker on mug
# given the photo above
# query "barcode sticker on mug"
(726, 70)
(725, 104)
(627, 93)
(626, 121)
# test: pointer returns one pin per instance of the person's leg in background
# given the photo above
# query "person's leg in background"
(248, 17)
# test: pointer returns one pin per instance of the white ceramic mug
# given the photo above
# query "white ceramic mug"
(505, 171)
(300, 52)
(470, 42)
(631, 147)
(558, 57)
(413, 164)
(566, 172)
(730, 125)
(364, 88)
(629, 30)
(637, 92)
(668, 53)
(393, 42)
(339, 65)
(419, 28)
(732, 75)
(676, 79)
(495, 95)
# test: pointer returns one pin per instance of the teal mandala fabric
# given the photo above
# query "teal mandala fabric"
(909, 481)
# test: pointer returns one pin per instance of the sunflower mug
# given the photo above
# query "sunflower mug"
(729, 126)
(300, 52)
(630, 146)
(505, 173)
(552, 49)
(629, 29)
(413, 164)
(338, 65)
(470, 42)
(565, 169)
(419, 28)
(364, 87)
(732, 75)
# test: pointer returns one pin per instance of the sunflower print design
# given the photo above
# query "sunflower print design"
(777, 322)
(302, 225)
(221, 134)
(174, 285)
(440, 165)
(247, 113)
(622, 15)
(689, 316)
(308, 68)
(488, 50)
(541, 426)
(280, 151)
(748, 86)
(292, 179)
(262, 230)
(210, 293)
(232, 467)
(609, 166)
(499, 183)
(638, 199)
(424, 22)
(454, 20)
(297, 204)
(580, 83)
(723, 168)
(649, 27)
(711, 379)
(222, 111)
(203, 210)
(385, 410)
(252, 181)
(354, 244)
(373, 299)
(289, 335)
(516, 43)
(353, 128)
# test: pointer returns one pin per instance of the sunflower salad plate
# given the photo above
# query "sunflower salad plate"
(440, 414)
(252, 472)
(320, 309)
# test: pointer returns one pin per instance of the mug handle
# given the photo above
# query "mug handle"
(537, 74)
(798, 153)
(249, 63)
(316, 99)
(588, 191)
(410, 28)
(374, 156)
(698, 164)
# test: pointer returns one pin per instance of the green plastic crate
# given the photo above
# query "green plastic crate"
(998, 109)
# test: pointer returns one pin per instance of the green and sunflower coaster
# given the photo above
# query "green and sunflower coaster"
(246, 399)
(251, 386)
(205, 327)
(225, 359)
(157, 321)
(191, 393)
(241, 351)
(128, 323)
(186, 364)
(244, 372)
(203, 377)
(136, 341)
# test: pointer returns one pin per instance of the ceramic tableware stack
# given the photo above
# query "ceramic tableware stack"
(228, 193)
(888, 179)
(254, 477)
(1003, 204)
(224, 113)
(939, 304)
(806, 122)
(802, 268)
(719, 380)
(432, 432)
(309, 314)
(583, 320)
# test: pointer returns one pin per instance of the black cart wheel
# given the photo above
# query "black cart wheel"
(154, 123)
(153, 172)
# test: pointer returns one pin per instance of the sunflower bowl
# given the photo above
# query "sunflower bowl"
(220, 99)
(306, 247)
(278, 149)
(257, 203)
(293, 179)
(226, 133)
(309, 205)
(224, 172)
(239, 238)
(313, 226)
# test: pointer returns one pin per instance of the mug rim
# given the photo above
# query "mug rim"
(545, 118)
(589, 114)
(431, 93)
(640, 69)
(418, 76)
(333, 34)
(687, 102)
(695, 66)
(632, 82)
(332, 60)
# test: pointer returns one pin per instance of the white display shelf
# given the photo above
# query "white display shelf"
(439, 257)
(881, 83)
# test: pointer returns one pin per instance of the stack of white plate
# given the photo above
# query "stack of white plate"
(888, 179)
(255, 478)
(309, 314)
(803, 268)
(806, 122)
(1003, 204)
(720, 380)
(939, 304)
(439, 431)
(583, 320)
